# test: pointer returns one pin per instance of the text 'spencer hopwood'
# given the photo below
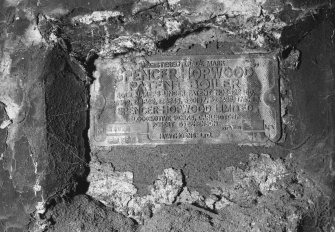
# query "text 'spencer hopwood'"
(187, 99)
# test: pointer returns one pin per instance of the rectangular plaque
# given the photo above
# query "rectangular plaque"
(185, 99)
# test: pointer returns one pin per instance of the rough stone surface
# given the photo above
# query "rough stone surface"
(269, 195)
(66, 111)
(263, 195)
(12, 211)
(23, 158)
(84, 214)
(48, 51)
(116, 190)
(199, 162)
(30, 166)
(174, 218)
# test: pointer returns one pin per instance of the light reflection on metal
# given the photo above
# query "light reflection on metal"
(186, 99)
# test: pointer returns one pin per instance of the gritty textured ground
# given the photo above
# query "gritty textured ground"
(49, 50)
(263, 195)
(84, 214)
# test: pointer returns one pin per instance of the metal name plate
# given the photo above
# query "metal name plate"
(186, 99)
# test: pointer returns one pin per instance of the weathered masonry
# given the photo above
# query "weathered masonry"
(186, 99)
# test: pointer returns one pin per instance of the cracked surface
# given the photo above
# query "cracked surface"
(47, 53)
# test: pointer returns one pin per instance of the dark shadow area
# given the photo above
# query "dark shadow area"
(83, 185)
(66, 99)
(313, 86)
(293, 34)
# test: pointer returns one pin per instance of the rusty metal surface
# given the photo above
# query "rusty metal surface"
(186, 99)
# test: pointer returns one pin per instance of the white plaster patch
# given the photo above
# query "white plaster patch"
(260, 40)
(276, 34)
(12, 109)
(187, 196)
(8, 86)
(145, 4)
(53, 38)
(107, 36)
(263, 172)
(116, 189)
(242, 7)
(8, 96)
(210, 201)
(125, 43)
(153, 1)
(167, 186)
(266, 172)
(40, 224)
(5, 124)
(205, 10)
(112, 188)
(5, 64)
(173, 2)
(96, 16)
(222, 203)
(37, 187)
(58, 11)
(32, 36)
(29, 14)
(40, 207)
(8, 3)
(172, 26)
(163, 192)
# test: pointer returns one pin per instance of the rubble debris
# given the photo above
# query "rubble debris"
(43, 154)
(110, 187)
(268, 195)
(190, 197)
(180, 218)
(116, 190)
(84, 214)
(96, 17)
(154, 23)
(291, 58)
